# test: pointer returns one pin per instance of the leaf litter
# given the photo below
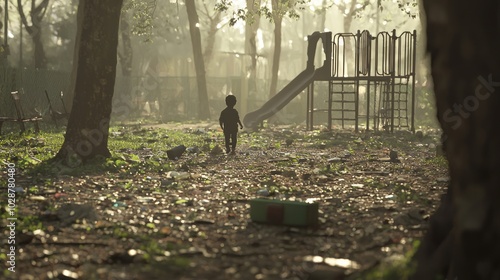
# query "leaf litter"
(155, 218)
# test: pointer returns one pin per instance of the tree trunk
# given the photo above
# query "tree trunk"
(35, 30)
(127, 54)
(464, 239)
(251, 43)
(39, 51)
(70, 92)
(349, 43)
(123, 105)
(212, 31)
(199, 64)
(88, 125)
(276, 52)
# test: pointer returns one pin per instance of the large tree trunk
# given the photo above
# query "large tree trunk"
(464, 239)
(87, 132)
(199, 64)
(278, 19)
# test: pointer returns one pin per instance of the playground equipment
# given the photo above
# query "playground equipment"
(370, 78)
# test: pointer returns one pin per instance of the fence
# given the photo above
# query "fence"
(175, 97)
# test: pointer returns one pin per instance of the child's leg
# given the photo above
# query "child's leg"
(234, 139)
(226, 141)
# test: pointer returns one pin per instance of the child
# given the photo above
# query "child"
(229, 120)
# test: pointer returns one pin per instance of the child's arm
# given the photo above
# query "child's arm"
(221, 123)
(241, 125)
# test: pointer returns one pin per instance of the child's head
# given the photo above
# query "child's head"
(230, 100)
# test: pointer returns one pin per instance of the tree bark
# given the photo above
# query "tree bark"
(35, 30)
(278, 19)
(88, 125)
(199, 64)
(127, 54)
(463, 41)
(211, 36)
(123, 104)
(251, 42)
(70, 92)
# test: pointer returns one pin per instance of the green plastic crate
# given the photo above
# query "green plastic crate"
(282, 212)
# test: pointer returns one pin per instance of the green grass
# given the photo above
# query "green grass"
(397, 270)
(128, 145)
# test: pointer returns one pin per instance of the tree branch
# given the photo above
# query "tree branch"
(23, 17)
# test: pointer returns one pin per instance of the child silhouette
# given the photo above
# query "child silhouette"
(229, 120)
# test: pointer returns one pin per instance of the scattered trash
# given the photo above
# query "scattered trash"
(263, 192)
(37, 198)
(217, 150)
(119, 204)
(393, 155)
(59, 195)
(193, 150)
(145, 199)
(284, 212)
(68, 274)
(344, 263)
(176, 153)
(72, 213)
(178, 175)
(335, 159)
(19, 190)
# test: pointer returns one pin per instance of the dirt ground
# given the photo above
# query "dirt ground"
(375, 193)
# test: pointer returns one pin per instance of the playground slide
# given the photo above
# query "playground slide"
(278, 101)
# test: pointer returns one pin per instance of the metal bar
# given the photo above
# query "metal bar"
(357, 70)
(393, 64)
(308, 108)
(312, 105)
(330, 100)
(414, 60)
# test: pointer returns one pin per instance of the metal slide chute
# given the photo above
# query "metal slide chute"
(298, 84)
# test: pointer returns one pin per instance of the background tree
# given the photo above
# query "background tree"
(194, 30)
(3, 51)
(37, 12)
(87, 131)
(251, 28)
(213, 20)
(463, 241)
(274, 11)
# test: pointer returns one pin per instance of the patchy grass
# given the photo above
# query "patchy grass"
(200, 225)
(399, 269)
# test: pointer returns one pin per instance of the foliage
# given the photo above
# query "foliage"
(143, 15)
(287, 8)
(409, 7)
